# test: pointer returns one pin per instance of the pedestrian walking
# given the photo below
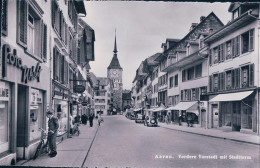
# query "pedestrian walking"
(91, 117)
(189, 120)
(179, 118)
(53, 125)
(100, 119)
(84, 119)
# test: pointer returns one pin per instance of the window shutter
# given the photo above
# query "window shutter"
(210, 83)
(251, 75)
(238, 45)
(224, 80)
(43, 41)
(224, 51)
(53, 11)
(233, 78)
(233, 47)
(22, 22)
(238, 77)
(4, 17)
(65, 72)
(251, 39)
(61, 70)
(54, 64)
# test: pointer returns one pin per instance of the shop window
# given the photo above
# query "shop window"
(61, 111)
(4, 126)
(226, 113)
(247, 108)
(36, 114)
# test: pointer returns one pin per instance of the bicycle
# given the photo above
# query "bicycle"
(100, 120)
(42, 147)
(75, 129)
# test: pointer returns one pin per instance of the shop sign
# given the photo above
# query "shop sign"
(4, 92)
(28, 74)
(79, 88)
(84, 103)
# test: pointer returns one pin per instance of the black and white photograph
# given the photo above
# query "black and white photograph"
(122, 83)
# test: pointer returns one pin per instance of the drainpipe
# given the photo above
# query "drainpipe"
(207, 112)
(257, 104)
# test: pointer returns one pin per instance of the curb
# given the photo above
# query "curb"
(212, 136)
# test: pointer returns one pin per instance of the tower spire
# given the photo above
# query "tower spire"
(115, 47)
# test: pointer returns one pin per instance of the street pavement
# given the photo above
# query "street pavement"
(120, 142)
(71, 152)
(123, 143)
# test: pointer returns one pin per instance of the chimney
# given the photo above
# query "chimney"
(193, 25)
(202, 18)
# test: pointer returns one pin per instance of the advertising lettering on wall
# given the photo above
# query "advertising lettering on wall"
(4, 92)
(28, 74)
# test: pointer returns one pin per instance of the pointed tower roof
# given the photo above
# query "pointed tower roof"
(114, 64)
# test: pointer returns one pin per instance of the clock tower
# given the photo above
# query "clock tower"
(115, 72)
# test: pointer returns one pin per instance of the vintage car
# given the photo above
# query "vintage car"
(150, 120)
(132, 116)
(139, 118)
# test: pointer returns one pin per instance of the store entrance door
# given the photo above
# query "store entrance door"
(215, 115)
(22, 123)
(236, 116)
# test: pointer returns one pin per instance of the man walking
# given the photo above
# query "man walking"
(53, 125)
(91, 117)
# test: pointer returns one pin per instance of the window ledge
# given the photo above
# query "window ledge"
(247, 53)
(33, 56)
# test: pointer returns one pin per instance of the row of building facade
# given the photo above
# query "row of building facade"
(46, 48)
(212, 74)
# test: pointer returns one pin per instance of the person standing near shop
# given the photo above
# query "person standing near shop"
(179, 117)
(91, 117)
(53, 125)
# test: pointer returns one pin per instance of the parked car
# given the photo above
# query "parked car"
(150, 121)
(139, 118)
(132, 116)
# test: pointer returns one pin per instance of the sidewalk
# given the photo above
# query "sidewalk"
(215, 133)
(71, 152)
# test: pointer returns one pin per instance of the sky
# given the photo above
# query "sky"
(141, 28)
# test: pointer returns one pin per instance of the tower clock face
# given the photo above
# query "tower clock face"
(114, 72)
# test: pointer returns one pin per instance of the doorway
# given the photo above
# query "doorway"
(215, 114)
(22, 122)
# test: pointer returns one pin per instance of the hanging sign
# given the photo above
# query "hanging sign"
(79, 88)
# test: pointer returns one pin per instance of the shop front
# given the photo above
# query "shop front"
(23, 100)
(234, 111)
(184, 110)
(61, 110)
